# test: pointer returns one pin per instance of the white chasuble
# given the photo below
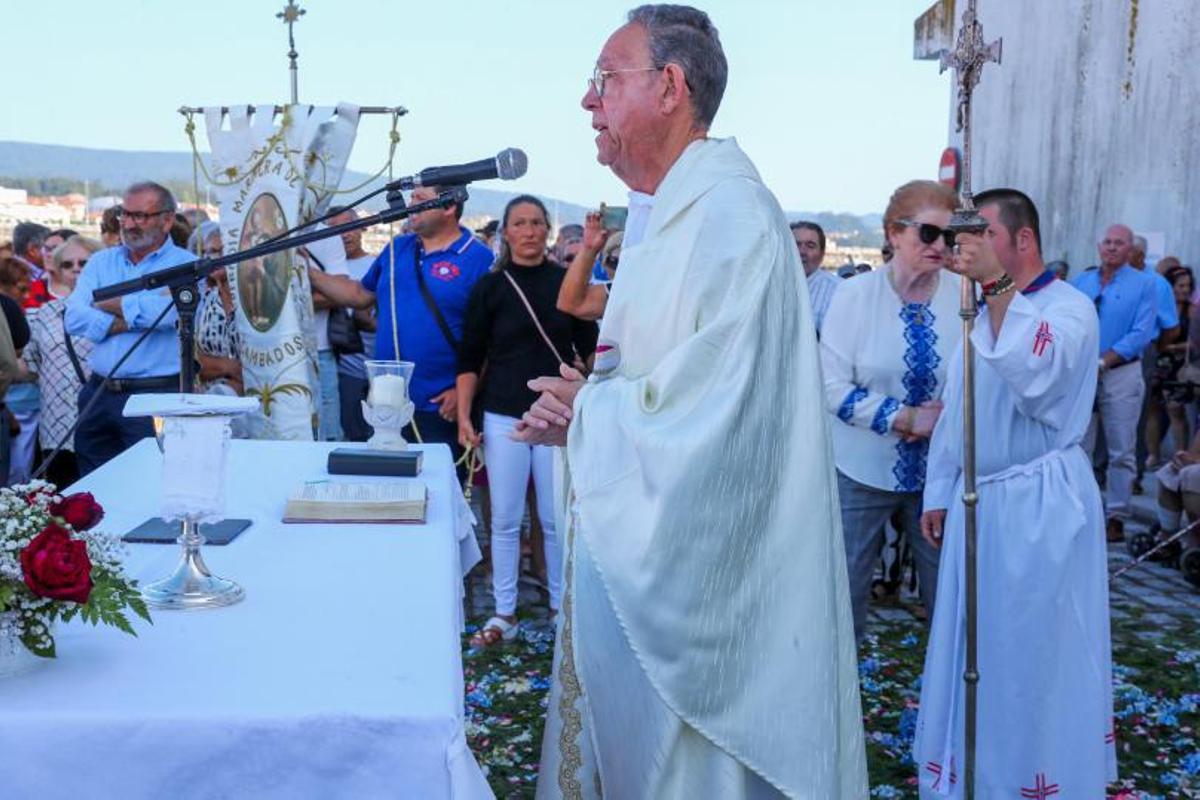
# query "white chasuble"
(1045, 691)
(706, 647)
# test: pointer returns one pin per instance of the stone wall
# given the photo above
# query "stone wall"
(1095, 112)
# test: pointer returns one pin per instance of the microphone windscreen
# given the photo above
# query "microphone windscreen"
(511, 164)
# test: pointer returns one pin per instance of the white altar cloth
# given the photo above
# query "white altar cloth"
(339, 675)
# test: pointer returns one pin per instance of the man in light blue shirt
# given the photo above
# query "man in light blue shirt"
(1127, 304)
(810, 244)
(147, 213)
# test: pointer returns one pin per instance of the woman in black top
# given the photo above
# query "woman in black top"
(512, 344)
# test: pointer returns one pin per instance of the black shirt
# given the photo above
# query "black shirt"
(498, 331)
(17, 325)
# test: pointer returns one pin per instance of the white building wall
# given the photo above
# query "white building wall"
(1095, 113)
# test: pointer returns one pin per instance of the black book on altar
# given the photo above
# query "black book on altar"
(159, 531)
(361, 461)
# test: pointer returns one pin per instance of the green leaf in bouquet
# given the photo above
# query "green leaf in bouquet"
(121, 621)
(138, 605)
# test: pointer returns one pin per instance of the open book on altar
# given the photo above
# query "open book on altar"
(334, 501)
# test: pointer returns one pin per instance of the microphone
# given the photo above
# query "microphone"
(508, 165)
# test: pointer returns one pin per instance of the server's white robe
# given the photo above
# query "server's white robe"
(1045, 693)
(705, 647)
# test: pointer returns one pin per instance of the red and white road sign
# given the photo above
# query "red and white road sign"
(950, 168)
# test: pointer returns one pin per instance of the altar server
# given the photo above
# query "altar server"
(705, 645)
(1044, 698)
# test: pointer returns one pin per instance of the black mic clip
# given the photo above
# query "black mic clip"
(451, 196)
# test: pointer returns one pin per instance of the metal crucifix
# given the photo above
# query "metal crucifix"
(291, 14)
(970, 54)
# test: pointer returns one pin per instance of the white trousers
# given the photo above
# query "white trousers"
(1119, 396)
(509, 465)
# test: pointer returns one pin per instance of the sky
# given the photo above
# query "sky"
(823, 95)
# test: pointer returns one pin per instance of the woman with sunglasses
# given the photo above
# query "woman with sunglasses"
(58, 362)
(885, 344)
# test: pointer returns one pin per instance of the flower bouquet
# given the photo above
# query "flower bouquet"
(54, 565)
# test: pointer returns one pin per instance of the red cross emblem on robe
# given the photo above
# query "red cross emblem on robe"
(938, 772)
(1041, 789)
(1042, 338)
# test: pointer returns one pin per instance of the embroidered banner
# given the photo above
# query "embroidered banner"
(271, 172)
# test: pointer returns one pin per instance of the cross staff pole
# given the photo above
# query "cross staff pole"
(967, 59)
(291, 14)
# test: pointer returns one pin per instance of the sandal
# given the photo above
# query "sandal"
(494, 631)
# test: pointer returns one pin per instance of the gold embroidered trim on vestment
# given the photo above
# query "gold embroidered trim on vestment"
(572, 721)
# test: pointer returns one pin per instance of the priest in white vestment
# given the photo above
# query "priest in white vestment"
(1045, 727)
(705, 645)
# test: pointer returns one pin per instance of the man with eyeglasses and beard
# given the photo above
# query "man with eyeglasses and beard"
(146, 216)
(1126, 301)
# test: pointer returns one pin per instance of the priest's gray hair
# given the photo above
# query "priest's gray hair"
(686, 36)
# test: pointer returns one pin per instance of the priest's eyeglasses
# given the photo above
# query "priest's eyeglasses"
(929, 233)
(599, 76)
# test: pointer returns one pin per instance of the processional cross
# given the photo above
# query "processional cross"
(968, 58)
(970, 54)
(291, 14)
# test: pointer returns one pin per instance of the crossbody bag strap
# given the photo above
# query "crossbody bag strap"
(534, 317)
(71, 349)
(427, 296)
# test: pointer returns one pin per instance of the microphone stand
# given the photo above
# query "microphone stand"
(182, 280)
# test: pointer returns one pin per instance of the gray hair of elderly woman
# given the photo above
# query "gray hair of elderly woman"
(202, 234)
(686, 36)
(89, 244)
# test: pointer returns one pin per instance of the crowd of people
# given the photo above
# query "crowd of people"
(501, 325)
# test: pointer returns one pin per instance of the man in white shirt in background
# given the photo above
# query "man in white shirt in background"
(322, 256)
(352, 367)
(810, 242)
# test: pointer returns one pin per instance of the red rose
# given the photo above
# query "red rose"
(79, 510)
(57, 566)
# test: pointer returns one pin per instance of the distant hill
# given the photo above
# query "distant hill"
(59, 168)
(110, 170)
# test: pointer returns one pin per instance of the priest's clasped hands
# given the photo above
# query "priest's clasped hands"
(546, 422)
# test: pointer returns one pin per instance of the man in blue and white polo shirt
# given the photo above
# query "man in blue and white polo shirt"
(450, 260)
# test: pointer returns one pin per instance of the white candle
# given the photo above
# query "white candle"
(388, 390)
